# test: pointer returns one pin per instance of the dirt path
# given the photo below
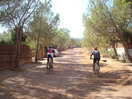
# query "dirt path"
(72, 78)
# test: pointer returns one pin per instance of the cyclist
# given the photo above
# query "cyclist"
(50, 53)
(96, 54)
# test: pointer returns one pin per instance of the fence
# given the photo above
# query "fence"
(41, 53)
(8, 54)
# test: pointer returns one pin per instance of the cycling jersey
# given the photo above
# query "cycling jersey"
(96, 54)
(50, 51)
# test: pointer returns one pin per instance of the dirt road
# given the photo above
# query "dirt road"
(72, 78)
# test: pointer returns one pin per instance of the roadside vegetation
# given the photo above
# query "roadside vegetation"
(32, 23)
(106, 23)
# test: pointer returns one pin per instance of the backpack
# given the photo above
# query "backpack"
(50, 50)
(96, 54)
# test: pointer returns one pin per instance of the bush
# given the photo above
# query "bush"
(6, 42)
(123, 58)
(108, 54)
(32, 47)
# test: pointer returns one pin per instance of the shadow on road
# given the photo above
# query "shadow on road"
(70, 79)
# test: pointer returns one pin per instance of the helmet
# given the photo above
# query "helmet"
(50, 46)
(95, 48)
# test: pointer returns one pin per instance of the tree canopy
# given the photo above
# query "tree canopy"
(108, 22)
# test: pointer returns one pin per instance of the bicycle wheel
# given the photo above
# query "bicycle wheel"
(96, 69)
(98, 73)
(50, 65)
(48, 68)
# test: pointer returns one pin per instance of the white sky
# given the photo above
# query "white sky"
(70, 12)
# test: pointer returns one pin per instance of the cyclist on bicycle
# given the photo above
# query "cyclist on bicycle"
(50, 53)
(96, 54)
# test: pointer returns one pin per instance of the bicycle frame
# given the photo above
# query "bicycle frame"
(49, 65)
(97, 68)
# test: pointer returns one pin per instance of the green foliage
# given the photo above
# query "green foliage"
(122, 12)
(16, 12)
(61, 40)
(76, 42)
(6, 38)
(99, 28)
(18, 15)
(124, 58)
(10, 37)
(32, 47)
(45, 23)
(95, 26)
(127, 35)
(14, 35)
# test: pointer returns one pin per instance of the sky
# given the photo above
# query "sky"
(70, 12)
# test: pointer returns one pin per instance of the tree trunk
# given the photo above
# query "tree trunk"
(17, 49)
(17, 55)
(18, 46)
(35, 43)
(113, 45)
(42, 53)
(121, 38)
(124, 45)
(36, 57)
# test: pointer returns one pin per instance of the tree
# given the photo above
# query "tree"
(14, 36)
(44, 25)
(15, 13)
(61, 40)
(108, 22)
(120, 18)
(6, 38)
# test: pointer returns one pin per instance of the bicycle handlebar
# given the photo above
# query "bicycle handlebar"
(102, 60)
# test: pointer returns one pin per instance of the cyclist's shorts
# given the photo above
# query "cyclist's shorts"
(49, 56)
(96, 59)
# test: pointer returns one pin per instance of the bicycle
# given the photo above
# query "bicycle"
(49, 65)
(97, 69)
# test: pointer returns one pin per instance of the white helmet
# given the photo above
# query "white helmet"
(50, 46)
